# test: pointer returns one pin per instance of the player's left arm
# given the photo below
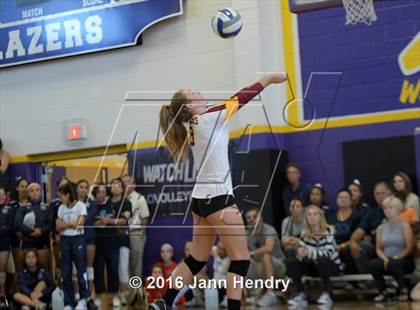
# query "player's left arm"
(245, 95)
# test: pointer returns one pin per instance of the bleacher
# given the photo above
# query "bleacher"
(365, 280)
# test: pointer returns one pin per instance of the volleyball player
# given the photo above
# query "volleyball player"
(213, 205)
(6, 232)
(20, 198)
(35, 221)
(82, 190)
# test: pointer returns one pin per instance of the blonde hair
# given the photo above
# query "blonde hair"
(393, 202)
(172, 117)
(323, 226)
(167, 246)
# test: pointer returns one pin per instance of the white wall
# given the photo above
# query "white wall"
(35, 99)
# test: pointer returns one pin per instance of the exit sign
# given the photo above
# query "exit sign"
(74, 132)
(76, 129)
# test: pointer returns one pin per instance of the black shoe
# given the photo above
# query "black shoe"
(159, 304)
(91, 304)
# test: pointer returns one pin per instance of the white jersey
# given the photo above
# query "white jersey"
(211, 159)
(211, 141)
(70, 215)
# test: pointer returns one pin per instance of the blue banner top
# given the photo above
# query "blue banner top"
(35, 30)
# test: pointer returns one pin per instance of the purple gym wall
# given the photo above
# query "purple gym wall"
(367, 56)
(372, 81)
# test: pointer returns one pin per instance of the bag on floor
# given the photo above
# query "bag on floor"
(57, 299)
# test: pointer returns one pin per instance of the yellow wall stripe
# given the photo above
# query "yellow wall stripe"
(81, 153)
(256, 129)
(289, 57)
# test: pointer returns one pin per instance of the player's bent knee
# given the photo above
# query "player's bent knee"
(239, 267)
(194, 265)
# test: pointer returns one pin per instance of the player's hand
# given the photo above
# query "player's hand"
(277, 78)
(273, 78)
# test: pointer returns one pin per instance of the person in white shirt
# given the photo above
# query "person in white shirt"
(212, 204)
(137, 225)
(70, 220)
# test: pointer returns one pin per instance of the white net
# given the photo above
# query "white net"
(359, 11)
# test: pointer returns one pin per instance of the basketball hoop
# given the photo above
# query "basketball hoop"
(359, 11)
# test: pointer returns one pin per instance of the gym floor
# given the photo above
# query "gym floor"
(342, 305)
(336, 306)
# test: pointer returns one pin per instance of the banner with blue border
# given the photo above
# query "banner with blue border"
(35, 30)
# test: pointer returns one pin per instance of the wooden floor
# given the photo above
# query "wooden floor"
(344, 303)
(336, 306)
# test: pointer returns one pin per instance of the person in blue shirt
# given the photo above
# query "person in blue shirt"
(82, 190)
(121, 215)
(54, 205)
(107, 243)
(6, 233)
(317, 197)
(35, 222)
(295, 189)
(20, 198)
(357, 197)
(345, 222)
(34, 283)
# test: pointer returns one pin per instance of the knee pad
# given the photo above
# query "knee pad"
(194, 265)
(90, 273)
(2, 277)
(239, 267)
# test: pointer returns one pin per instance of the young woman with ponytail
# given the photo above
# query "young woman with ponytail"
(190, 121)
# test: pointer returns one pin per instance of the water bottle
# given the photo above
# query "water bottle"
(211, 299)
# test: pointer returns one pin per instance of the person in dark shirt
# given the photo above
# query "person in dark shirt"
(34, 282)
(121, 209)
(359, 204)
(295, 189)
(54, 205)
(82, 190)
(20, 198)
(362, 240)
(4, 165)
(345, 221)
(35, 222)
(107, 243)
(6, 233)
(317, 198)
